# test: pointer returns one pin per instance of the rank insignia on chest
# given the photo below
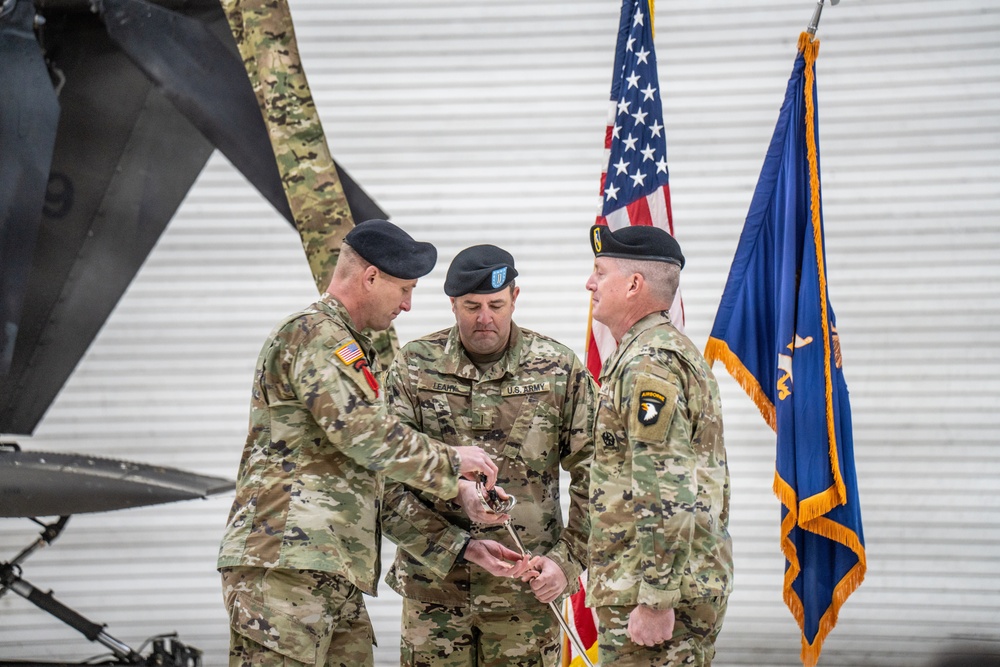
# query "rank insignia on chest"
(650, 405)
(349, 353)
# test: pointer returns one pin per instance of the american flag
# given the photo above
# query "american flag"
(635, 187)
(349, 353)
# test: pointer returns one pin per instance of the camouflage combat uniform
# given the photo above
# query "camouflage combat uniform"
(659, 497)
(532, 411)
(303, 539)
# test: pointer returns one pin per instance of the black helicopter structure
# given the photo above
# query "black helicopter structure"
(109, 110)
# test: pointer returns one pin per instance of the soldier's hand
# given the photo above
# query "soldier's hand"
(468, 500)
(546, 578)
(474, 462)
(496, 559)
(649, 627)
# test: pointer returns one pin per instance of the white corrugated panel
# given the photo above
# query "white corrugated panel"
(477, 122)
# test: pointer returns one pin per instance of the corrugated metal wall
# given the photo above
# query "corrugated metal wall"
(483, 122)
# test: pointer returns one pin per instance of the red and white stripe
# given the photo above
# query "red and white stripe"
(653, 210)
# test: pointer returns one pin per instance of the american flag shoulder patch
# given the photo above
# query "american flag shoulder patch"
(349, 353)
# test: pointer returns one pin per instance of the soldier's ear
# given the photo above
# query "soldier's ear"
(370, 275)
(634, 285)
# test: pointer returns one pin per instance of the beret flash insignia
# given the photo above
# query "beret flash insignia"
(499, 277)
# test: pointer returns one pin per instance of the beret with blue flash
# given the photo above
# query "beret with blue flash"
(480, 269)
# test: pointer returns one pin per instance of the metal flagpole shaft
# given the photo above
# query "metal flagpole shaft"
(494, 504)
(814, 22)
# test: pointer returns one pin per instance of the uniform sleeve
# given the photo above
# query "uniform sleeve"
(576, 452)
(664, 476)
(356, 421)
(406, 519)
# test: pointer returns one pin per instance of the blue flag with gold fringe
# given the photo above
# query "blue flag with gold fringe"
(776, 333)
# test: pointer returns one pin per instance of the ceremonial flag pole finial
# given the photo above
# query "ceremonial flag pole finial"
(814, 23)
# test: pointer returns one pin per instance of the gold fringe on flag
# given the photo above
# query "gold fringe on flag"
(717, 350)
(809, 512)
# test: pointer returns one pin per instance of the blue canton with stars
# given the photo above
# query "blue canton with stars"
(638, 162)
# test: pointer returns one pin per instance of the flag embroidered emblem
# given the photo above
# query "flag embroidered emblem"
(349, 353)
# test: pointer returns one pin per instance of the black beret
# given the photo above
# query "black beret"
(641, 242)
(391, 249)
(480, 269)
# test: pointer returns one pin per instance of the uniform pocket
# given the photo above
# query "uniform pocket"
(539, 441)
(273, 629)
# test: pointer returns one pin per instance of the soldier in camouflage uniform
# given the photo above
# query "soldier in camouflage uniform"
(660, 554)
(528, 401)
(302, 540)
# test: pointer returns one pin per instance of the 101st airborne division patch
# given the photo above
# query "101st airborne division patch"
(650, 405)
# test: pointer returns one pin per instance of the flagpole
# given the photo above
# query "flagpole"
(814, 23)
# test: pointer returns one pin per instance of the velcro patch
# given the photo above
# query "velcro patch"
(654, 401)
(349, 353)
(650, 405)
(443, 387)
(530, 388)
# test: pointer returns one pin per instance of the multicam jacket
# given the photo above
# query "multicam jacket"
(532, 412)
(659, 484)
(320, 439)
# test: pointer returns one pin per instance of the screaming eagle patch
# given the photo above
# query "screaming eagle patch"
(653, 403)
(650, 406)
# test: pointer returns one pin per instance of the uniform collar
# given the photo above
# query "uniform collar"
(456, 362)
(330, 305)
(648, 322)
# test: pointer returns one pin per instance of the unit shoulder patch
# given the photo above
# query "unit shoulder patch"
(652, 408)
